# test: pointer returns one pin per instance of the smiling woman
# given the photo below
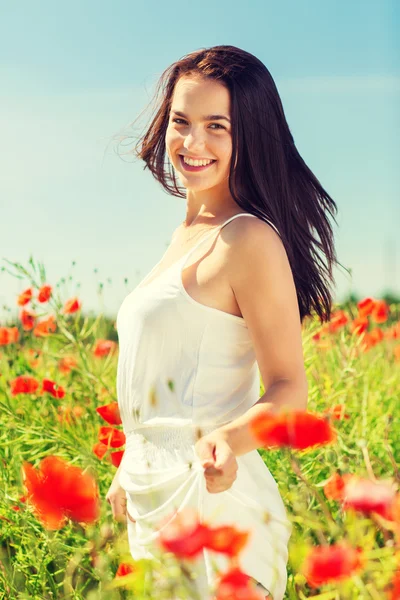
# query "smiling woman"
(216, 313)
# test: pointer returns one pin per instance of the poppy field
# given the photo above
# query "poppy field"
(61, 442)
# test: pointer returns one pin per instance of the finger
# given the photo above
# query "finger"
(121, 517)
(130, 517)
(206, 454)
(212, 471)
(224, 455)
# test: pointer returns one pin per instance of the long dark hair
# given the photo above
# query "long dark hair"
(271, 179)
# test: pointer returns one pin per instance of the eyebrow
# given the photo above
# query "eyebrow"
(205, 118)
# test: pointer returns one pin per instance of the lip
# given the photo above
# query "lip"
(193, 169)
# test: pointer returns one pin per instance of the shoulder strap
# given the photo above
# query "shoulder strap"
(208, 235)
(223, 225)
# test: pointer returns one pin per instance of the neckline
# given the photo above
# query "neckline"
(174, 264)
(140, 285)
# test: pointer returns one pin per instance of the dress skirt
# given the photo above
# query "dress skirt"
(161, 473)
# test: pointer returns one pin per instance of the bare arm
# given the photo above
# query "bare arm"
(261, 279)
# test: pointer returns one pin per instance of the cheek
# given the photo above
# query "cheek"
(225, 149)
(171, 137)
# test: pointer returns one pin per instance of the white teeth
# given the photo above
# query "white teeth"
(196, 163)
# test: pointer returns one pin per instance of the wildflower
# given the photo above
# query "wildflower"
(69, 415)
(334, 487)
(366, 496)
(27, 319)
(186, 536)
(110, 413)
(72, 305)
(104, 347)
(296, 429)
(24, 297)
(59, 491)
(45, 327)
(183, 535)
(325, 564)
(365, 306)
(57, 391)
(236, 585)
(24, 384)
(337, 321)
(337, 412)
(393, 592)
(111, 437)
(226, 539)
(380, 311)
(44, 293)
(124, 569)
(99, 449)
(8, 335)
(67, 363)
(359, 325)
(116, 457)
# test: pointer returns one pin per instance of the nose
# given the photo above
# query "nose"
(194, 142)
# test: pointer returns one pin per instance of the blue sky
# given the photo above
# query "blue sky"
(76, 74)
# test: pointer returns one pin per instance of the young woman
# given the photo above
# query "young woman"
(224, 305)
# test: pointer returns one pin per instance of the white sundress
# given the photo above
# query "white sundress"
(182, 366)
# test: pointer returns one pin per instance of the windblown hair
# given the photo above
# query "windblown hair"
(271, 179)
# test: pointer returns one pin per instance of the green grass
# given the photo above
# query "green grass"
(80, 561)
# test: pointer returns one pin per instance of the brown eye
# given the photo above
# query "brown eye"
(217, 124)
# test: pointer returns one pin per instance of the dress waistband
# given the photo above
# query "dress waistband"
(168, 435)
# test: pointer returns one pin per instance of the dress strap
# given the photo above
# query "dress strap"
(220, 227)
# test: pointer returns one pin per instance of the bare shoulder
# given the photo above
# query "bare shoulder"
(253, 238)
(256, 255)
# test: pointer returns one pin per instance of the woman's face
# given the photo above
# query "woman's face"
(197, 135)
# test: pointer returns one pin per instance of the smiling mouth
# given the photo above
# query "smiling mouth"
(192, 168)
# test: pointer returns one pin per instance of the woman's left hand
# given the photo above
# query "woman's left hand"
(218, 460)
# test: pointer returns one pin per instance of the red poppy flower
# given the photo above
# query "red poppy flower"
(69, 415)
(45, 327)
(110, 413)
(72, 305)
(393, 332)
(124, 569)
(8, 335)
(44, 293)
(325, 564)
(337, 321)
(337, 412)
(99, 449)
(334, 487)
(365, 306)
(183, 535)
(368, 496)
(27, 319)
(393, 591)
(111, 437)
(116, 457)
(376, 335)
(237, 585)
(25, 297)
(380, 311)
(359, 325)
(59, 491)
(24, 384)
(67, 363)
(104, 347)
(296, 429)
(226, 539)
(21, 499)
(57, 391)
